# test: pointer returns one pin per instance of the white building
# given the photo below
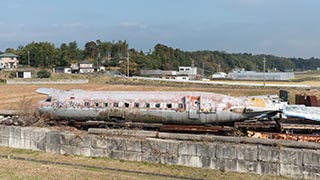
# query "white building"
(188, 70)
(86, 67)
(61, 70)
(219, 75)
(8, 61)
(184, 73)
(23, 74)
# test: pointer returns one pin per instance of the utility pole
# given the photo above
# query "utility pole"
(98, 60)
(264, 71)
(29, 58)
(128, 64)
(202, 72)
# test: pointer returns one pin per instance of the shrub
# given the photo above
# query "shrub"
(12, 74)
(43, 73)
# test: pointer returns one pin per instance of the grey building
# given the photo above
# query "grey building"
(252, 75)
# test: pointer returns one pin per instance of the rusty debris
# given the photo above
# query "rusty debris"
(196, 129)
(308, 98)
(284, 136)
(256, 125)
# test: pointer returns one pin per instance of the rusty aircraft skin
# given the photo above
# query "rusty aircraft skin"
(167, 107)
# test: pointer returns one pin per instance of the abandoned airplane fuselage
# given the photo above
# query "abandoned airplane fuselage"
(149, 106)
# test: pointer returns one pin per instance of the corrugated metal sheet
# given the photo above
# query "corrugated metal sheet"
(250, 75)
(308, 100)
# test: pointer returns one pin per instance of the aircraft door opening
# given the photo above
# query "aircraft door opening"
(193, 106)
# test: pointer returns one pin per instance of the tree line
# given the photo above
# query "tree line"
(115, 54)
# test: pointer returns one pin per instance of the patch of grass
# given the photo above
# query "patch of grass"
(13, 169)
(23, 151)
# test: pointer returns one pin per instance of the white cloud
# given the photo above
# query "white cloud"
(266, 43)
(250, 2)
(69, 25)
(13, 4)
(132, 25)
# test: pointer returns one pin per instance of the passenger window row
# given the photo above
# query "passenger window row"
(136, 105)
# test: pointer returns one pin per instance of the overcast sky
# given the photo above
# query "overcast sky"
(289, 28)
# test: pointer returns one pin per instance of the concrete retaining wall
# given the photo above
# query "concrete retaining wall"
(267, 158)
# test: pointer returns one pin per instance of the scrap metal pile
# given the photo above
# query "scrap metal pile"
(10, 118)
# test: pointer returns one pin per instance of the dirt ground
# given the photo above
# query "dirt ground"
(16, 96)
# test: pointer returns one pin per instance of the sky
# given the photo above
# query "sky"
(288, 28)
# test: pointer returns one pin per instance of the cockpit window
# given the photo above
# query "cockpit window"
(49, 98)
